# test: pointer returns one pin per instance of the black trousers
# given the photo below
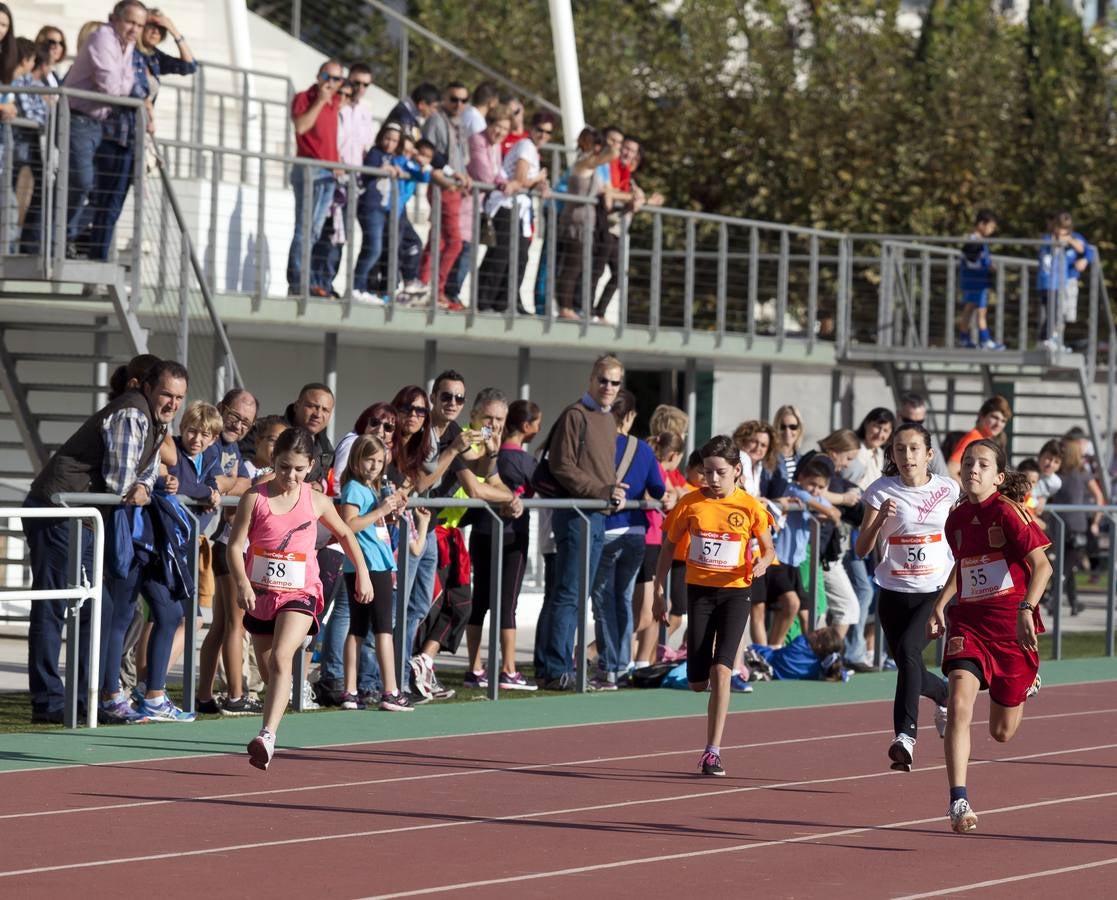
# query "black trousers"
(904, 618)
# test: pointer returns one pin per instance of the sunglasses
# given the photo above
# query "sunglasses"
(786, 427)
(412, 409)
(51, 42)
(608, 382)
(362, 84)
(324, 77)
(545, 130)
(383, 425)
(457, 99)
(447, 397)
(346, 93)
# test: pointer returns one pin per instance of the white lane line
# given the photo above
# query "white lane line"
(489, 820)
(994, 882)
(497, 732)
(488, 771)
(556, 873)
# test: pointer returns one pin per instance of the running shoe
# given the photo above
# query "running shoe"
(396, 702)
(516, 682)
(309, 700)
(739, 685)
(138, 694)
(422, 671)
(242, 706)
(351, 701)
(710, 764)
(962, 817)
(438, 690)
(902, 753)
(210, 707)
(163, 709)
(940, 720)
(1035, 688)
(371, 699)
(601, 683)
(476, 679)
(118, 711)
(965, 342)
(261, 748)
(991, 345)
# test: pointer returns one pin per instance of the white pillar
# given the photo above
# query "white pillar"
(566, 68)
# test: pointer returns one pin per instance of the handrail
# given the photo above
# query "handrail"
(90, 591)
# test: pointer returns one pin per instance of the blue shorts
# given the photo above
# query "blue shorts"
(978, 298)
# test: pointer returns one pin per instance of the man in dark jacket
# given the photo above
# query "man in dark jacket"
(581, 456)
(115, 451)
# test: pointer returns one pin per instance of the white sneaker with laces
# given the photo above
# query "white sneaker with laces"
(902, 752)
(261, 748)
(962, 817)
(1034, 689)
(940, 720)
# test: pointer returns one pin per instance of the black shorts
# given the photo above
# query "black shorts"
(785, 579)
(716, 623)
(651, 560)
(220, 560)
(305, 605)
(677, 590)
(378, 614)
(758, 591)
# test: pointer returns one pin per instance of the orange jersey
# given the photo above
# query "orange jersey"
(682, 546)
(718, 534)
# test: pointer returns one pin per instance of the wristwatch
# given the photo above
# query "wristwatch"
(1024, 604)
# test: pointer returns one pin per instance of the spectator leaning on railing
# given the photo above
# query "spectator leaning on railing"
(116, 451)
(314, 113)
(411, 112)
(105, 66)
(29, 144)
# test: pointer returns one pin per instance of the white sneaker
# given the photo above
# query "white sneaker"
(902, 753)
(962, 818)
(421, 665)
(261, 748)
(940, 720)
(991, 345)
(415, 286)
(368, 299)
(1034, 689)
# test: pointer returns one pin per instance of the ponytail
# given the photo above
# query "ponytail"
(1016, 486)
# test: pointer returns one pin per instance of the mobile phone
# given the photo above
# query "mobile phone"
(486, 432)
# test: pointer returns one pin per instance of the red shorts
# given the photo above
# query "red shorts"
(261, 619)
(1007, 669)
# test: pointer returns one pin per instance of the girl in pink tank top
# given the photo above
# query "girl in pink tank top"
(277, 583)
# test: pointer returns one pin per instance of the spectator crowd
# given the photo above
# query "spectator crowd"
(433, 444)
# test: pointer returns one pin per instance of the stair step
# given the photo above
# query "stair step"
(61, 327)
(61, 358)
(65, 388)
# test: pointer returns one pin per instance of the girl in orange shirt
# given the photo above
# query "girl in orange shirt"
(719, 520)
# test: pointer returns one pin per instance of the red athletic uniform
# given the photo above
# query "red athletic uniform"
(990, 542)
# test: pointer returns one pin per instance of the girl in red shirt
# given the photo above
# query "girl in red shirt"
(1000, 573)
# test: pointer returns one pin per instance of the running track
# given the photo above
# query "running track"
(810, 808)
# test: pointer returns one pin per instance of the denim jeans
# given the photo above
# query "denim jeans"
(333, 647)
(622, 555)
(420, 588)
(321, 194)
(460, 271)
(374, 224)
(114, 164)
(558, 621)
(858, 571)
(48, 541)
(85, 138)
(410, 250)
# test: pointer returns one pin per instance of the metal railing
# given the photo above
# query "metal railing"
(158, 275)
(82, 588)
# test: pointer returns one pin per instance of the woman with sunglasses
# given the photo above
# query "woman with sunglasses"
(788, 422)
(379, 420)
(54, 42)
(513, 216)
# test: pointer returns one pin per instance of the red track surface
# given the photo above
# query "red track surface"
(809, 809)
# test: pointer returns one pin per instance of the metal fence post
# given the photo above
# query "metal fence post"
(496, 586)
(62, 191)
(812, 575)
(581, 641)
(73, 632)
(1111, 585)
(514, 262)
(190, 633)
(308, 173)
(657, 275)
(688, 279)
(403, 652)
(1057, 587)
(139, 174)
(624, 264)
(754, 283)
(261, 241)
(723, 281)
(434, 244)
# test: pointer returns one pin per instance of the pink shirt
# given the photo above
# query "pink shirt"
(484, 160)
(293, 533)
(356, 132)
(102, 66)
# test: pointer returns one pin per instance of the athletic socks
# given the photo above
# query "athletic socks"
(983, 335)
(714, 749)
(958, 793)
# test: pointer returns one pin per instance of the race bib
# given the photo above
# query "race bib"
(985, 576)
(916, 555)
(715, 550)
(278, 570)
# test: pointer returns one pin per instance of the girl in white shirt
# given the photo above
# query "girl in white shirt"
(905, 513)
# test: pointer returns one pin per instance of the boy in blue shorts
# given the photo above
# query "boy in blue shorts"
(976, 276)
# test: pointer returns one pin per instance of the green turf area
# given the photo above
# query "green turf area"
(216, 735)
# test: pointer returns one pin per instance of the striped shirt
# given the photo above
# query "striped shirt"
(125, 432)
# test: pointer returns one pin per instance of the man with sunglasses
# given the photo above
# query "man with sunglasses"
(581, 454)
(445, 129)
(314, 113)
